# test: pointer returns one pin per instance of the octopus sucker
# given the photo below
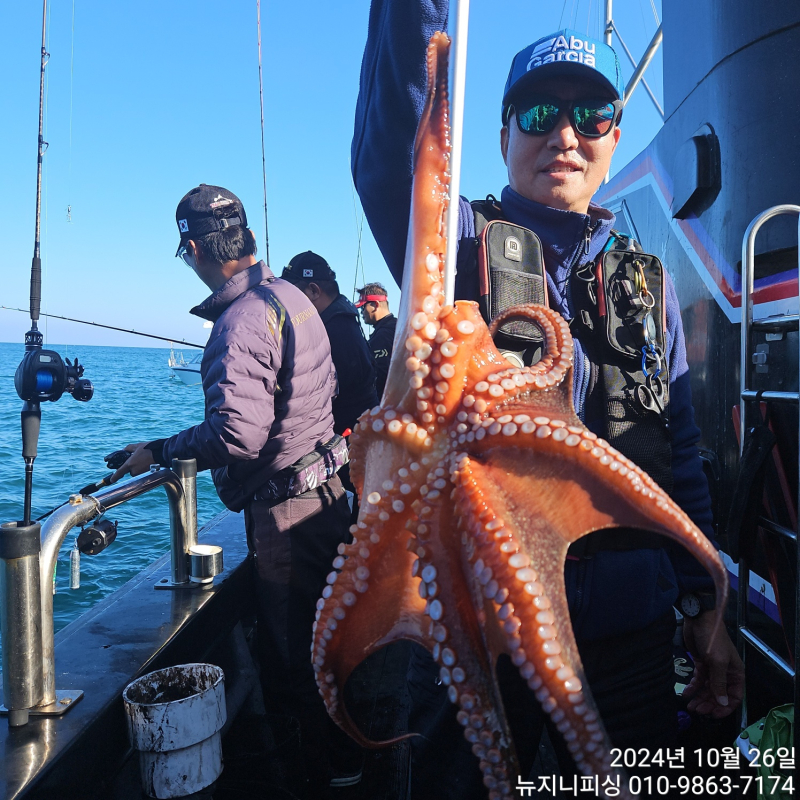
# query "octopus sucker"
(475, 476)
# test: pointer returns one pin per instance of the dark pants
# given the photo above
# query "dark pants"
(344, 476)
(294, 543)
(632, 681)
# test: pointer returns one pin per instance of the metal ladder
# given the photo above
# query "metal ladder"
(747, 408)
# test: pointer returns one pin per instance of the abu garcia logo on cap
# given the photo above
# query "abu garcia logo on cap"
(577, 50)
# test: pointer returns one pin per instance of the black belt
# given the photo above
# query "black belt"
(307, 473)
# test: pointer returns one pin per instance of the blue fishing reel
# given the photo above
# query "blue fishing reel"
(43, 375)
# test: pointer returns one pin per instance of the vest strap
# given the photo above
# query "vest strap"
(620, 310)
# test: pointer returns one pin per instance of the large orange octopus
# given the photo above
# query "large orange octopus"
(475, 477)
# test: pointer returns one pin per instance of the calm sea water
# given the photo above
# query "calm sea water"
(135, 399)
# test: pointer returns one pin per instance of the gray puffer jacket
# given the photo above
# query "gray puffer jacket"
(268, 381)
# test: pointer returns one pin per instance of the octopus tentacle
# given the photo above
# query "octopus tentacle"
(535, 620)
(420, 318)
(466, 666)
(475, 476)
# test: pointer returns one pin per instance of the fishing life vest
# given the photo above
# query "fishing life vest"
(619, 313)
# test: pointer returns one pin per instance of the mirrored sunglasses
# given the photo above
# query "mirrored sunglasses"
(590, 118)
(185, 255)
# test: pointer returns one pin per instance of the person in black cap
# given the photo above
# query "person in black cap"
(374, 305)
(350, 352)
(268, 438)
(561, 109)
(312, 274)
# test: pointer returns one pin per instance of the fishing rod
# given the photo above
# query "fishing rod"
(88, 489)
(112, 328)
(42, 374)
(263, 151)
(458, 71)
(113, 461)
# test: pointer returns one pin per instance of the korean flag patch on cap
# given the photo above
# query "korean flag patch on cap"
(308, 273)
(183, 226)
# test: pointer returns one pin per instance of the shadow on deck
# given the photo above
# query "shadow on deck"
(262, 753)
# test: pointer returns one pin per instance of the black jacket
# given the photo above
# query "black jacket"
(381, 343)
(354, 368)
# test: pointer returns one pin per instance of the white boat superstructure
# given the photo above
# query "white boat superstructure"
(187, 370)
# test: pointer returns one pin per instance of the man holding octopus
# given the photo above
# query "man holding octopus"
(560, 115)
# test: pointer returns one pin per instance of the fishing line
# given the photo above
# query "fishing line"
(359, 253)
(46, 265)
(573, 13)
(359, 233)
(655, 13)
(588, 18)
(71, 88)
(70, 423)
(561, 18)
(644, 23)
(263, 149)
(71, 461)
(45, 170)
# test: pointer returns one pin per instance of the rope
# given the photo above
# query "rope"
(655, 13)
(263, 149)
(588, 17)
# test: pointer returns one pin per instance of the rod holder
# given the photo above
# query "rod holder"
(21, 619)
(28, 555)
(183, 533)
(205, 561)
(182, 526)
(82, 509)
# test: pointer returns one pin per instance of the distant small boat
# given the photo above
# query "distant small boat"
(187, 371)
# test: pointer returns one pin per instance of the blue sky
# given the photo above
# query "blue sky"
(161, 96)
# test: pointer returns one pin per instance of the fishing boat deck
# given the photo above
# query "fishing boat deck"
(86, 754)
(132, 632)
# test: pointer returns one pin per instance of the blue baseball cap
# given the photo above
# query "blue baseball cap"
(565, 52)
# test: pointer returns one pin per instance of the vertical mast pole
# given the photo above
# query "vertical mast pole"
(263, 150)
(458, 72)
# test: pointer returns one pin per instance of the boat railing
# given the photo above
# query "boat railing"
(749, 408)
(28, 557)
(176, 360)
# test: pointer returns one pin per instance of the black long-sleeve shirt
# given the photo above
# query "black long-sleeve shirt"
(381, 343)
(354, 368)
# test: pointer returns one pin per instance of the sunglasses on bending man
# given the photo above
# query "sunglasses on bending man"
(591, 118)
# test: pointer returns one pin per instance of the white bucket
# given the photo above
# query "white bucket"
(174, 719)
